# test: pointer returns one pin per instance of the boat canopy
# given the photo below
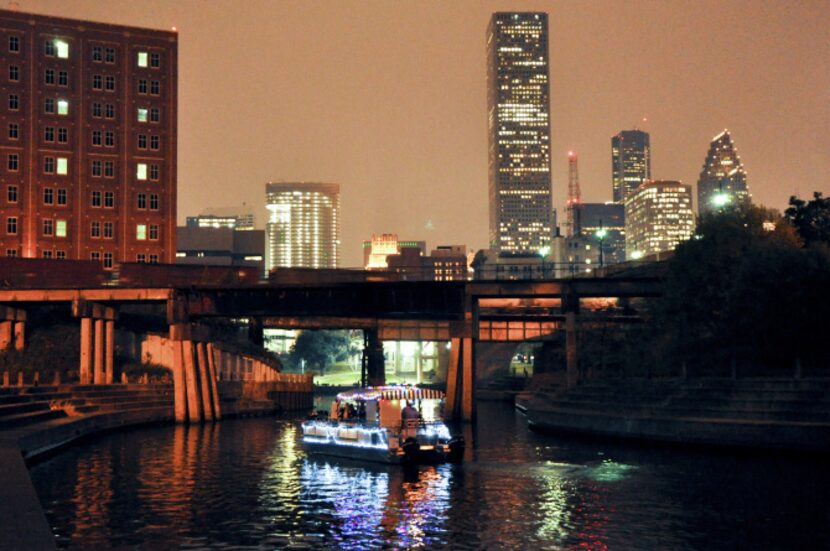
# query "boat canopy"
(390, 393)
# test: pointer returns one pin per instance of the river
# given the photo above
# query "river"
(248, 484)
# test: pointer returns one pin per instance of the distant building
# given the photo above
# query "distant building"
(489, 264)
(519, 133)
(630, 162)
(602, 226)
(658, 217)
(445, 263)
(303, 229)
(88, 141)
(723, 178)
(241, 222)
(376, 251)
(222, 246)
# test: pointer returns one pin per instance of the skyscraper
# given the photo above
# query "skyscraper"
(658, 217)
(723, 178)
(303, 229)
(521, 213)
(88, 143)
(630, 162)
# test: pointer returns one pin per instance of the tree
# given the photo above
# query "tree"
(320, 348)
(811, 219)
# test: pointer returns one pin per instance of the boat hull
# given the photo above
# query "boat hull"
(375, 455)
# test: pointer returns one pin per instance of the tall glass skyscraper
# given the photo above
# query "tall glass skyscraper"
(723, 178)
(630, 162)
(521, 211)
(303, 229)
(658, 217)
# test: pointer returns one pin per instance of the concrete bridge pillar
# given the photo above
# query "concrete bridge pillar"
(98, 371)
(374, 367)
(97, 358)
(12, 328)
(86, 351)
(214, 391)
(109, 351)
(460, 401)
(19, 335)
(204, 379)
(6, 329)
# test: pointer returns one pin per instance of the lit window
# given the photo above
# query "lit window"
(63, 107)
(62, 166)
(141, 171)
(142, 114)
(60, 228)
(142, 59)
(141, 231)
(62, 48)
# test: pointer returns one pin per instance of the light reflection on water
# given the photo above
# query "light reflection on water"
(248, 484)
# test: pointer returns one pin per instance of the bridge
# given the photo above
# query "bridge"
(461, 312)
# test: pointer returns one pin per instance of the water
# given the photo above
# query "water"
(247, 484)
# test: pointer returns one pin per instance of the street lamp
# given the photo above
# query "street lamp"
(601, 233)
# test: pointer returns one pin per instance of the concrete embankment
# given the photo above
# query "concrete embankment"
(783, 414)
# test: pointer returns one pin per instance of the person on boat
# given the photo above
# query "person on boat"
(409, 412)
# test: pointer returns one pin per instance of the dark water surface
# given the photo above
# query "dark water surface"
(248, 484)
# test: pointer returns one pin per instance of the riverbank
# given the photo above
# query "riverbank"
(779, 414)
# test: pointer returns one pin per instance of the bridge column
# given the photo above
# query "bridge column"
(98, 371)
(6, 329)
(19, 335)
(97, 341)
(255, 334)
(204, 379)
(85, 369)
(460, 401)
(214, 391)
(12, 328)
(109, 351)
(375, 370)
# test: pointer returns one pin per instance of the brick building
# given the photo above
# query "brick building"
(87, 140)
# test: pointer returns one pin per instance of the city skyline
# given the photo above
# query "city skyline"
(406, 134)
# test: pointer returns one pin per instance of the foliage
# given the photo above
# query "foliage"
(49, 348)
(811, 219)
(155, 372)
(321, 348)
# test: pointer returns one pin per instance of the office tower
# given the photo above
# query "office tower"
(376, 251)
(87, 141)
(220, 246)
(239, 222)
(723, 178)
(658, 217)
(303, 229)
(519, 129)
(630, 162)
(602, 227)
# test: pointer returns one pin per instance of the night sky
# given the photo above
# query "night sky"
(388, 99)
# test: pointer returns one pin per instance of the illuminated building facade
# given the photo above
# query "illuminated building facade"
(87, 140)
(630, 162)
(376, 251)
(723, 178)
(658, 217)
(303, 229)
(239, 222)
(521, 212)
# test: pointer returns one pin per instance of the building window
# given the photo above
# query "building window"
(96, 168)
(49, 134)
(48, 196)
(11, 194)
(95, 199)
(142, 86)
(141, 171)
(49, 105)
(110, 111)
(14, 131)
(142, 141)
(154, 143)
(11, 225)
(110, 83)
(11, 252)
(95, 230)
(155, 61)
(154, 232)
(60, 255)
(48, 226)
(63, 107)
(13, 162)
(49, 76)
(142, 59)
(60, 228)
(155, 87)
(154, 259)
(97, 137)
(108, 230)
(62, 196)
(49, 165)
(110, 55)
(154, 172)
(141, 202)
(62, 166)
(56, 48)
(49, 48)
(46, 254)
(95, 255)
(14, 102)
(141, 258)
(109, 169)
(109, 138)
(109, 199)
(154, 201)
(14, 73)
(96, 54)
(63, 135)
(96, 110)
(63, 78)
(97, 82)
(14, 44)
(155, 115)
(107, 261)
(141, 115)
(141, 232)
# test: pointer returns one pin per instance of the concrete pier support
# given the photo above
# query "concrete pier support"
(109, 351)
(19, 335)
(204, 380)
(195, 413)
(373, 358)
(460, 401)
(86, 351)
(6, 328)
(96, 362)
(12, 328)
(214, 391)
(98, 366)
(571, 358)
(177, 333)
